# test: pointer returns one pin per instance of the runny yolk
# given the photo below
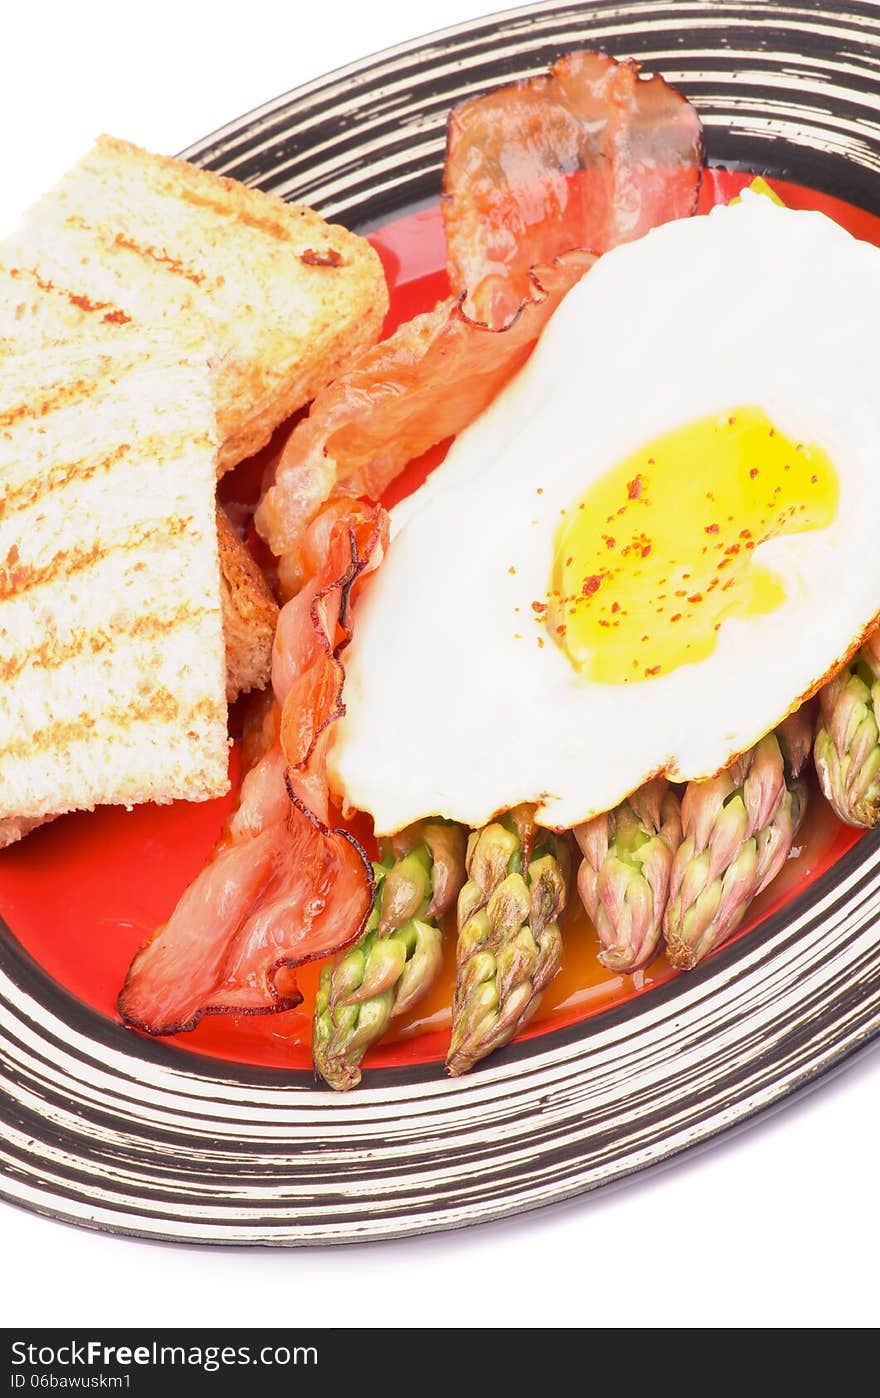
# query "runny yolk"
(658, 553)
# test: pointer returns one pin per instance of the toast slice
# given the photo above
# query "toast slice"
(285, 298)
(249, 614)
(111, 643)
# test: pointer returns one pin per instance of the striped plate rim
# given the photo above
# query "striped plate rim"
(112, 1131)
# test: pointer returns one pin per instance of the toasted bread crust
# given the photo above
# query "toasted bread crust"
(15, 828)
(249, 613)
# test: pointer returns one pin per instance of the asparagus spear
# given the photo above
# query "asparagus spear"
(847, 746)
(738, 829)
(623, 879)
(396, 961)
(509, 943)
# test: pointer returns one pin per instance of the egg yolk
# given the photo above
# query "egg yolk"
(658, 554)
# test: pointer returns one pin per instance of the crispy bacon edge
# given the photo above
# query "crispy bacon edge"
(362, 405)
(436, 373)
(172, 956)
(425, 383)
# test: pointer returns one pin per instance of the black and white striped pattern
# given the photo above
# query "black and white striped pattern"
(113, 1131)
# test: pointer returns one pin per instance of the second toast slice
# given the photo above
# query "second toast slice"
(280, 298)
(111, 644)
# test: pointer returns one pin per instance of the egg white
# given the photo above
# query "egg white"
(447, 713)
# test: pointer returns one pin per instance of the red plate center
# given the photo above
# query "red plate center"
(83, 893)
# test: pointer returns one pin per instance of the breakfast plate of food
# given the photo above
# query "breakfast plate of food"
(441, 751)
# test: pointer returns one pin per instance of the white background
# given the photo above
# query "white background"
(777, 1226)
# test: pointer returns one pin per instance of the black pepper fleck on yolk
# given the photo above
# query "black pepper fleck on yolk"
(689, 509)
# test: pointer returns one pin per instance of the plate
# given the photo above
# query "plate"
(110, 1130)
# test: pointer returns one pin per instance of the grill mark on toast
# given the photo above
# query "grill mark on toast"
(262, 223)
(172, 264)
(145, 250)
(113, 314)
(52, 653)
(87, 468)
(17, 577)
(19, 497)
(59, 396)
(158, 703)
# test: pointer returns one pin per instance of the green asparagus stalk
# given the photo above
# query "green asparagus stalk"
(738, 830)
(623, 880)
(396, 961)
(509, 943)
(847, 746)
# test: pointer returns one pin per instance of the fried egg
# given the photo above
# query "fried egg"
(658, 539)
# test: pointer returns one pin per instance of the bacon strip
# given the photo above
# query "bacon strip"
(540, 179)
(424, 384)
(283, 887)
(588, 155)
